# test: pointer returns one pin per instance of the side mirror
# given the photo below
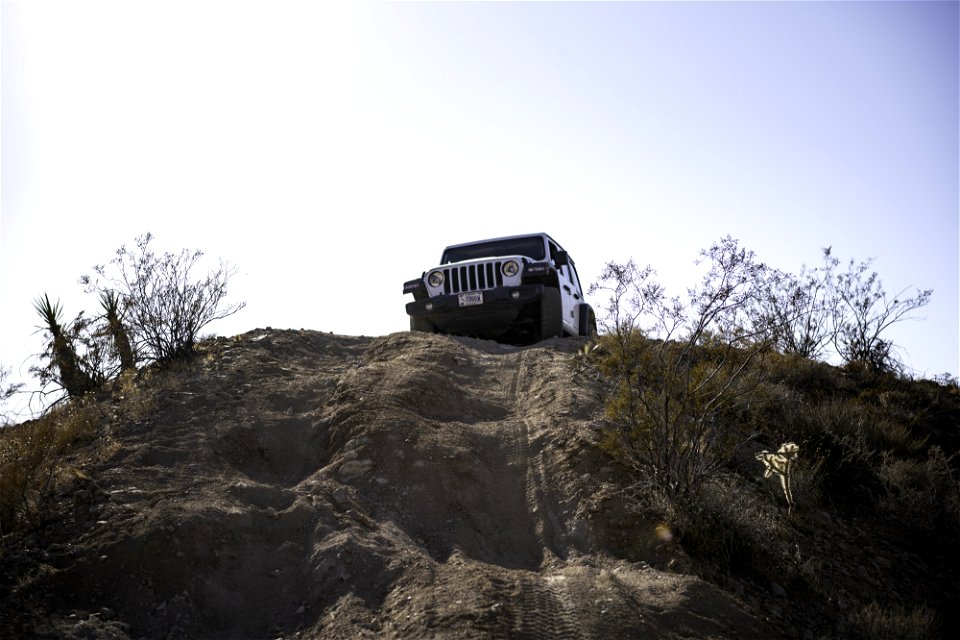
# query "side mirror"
(562, 259)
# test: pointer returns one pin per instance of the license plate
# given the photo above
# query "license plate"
(471, 299)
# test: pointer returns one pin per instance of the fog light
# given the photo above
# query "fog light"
(515, 294)
(428, 306)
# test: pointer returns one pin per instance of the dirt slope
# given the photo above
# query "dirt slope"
(301, 484)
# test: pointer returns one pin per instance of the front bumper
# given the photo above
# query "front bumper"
(499, 311)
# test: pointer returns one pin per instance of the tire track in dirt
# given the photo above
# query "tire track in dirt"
(306, 485)
(539, 608)
(529, 452)
(542, 611)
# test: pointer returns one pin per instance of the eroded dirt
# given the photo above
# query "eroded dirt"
(302, 484)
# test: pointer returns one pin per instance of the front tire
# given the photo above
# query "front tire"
(421, 325)
(551, 314)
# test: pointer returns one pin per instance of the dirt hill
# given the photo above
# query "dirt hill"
(298, 484)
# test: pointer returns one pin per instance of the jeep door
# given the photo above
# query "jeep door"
(570, 294)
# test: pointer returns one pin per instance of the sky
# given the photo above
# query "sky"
(330, 151)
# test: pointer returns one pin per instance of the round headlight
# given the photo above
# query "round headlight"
(510, 268)
(435, 279)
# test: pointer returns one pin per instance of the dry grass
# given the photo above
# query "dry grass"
(137, 395)
(32, 460)
(875, 448)
(877, 622)
(733, 529)
(922, 494)
(40, 456)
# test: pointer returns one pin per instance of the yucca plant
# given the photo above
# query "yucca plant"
(110, 302)
(72, 376)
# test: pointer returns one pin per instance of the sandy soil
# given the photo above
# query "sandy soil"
(308, 485)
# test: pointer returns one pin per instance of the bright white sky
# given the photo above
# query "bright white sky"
(330, 151)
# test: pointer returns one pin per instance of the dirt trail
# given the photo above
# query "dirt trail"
(301, 484)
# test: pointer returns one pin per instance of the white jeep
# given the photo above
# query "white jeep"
(521, 288)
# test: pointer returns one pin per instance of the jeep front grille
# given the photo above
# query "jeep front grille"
(472, 277)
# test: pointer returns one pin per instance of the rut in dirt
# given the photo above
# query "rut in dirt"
(406, 486)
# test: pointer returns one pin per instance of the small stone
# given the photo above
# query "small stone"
(355, 468)
(777, 590)
(340, 497)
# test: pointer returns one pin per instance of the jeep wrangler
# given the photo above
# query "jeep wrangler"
(518, 288)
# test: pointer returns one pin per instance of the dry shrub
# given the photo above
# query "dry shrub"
(733, 528)
(166, 302)
(839, 463)
(877, 622)
(863, 426)
(883, 411)
(922, 494)
(769, 410)
(807, 477)
(136, 398)
(887, 434)
(813, 379)
(137, 395)
(31, 456)
(807, 473)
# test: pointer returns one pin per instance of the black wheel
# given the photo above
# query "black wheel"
(422, 325)
(588, 321)
(551, 314)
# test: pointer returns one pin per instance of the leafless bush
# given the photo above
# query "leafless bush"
(847, 310)
(678, 367)
(799, 310)
(7, 391)
(165, 305)
(866, 311)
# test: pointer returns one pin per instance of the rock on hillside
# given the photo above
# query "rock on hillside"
(301, 484)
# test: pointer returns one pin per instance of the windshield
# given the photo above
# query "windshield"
(531, 247)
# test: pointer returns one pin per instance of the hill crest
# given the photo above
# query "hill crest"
(301, 484)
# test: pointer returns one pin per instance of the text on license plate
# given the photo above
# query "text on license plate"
(471, 299)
